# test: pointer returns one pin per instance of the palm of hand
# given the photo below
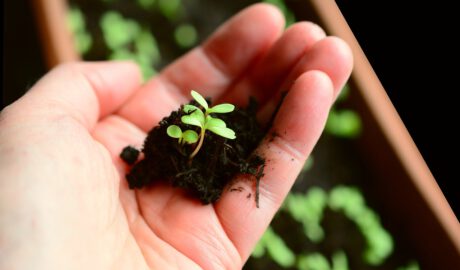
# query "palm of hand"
(96, 221)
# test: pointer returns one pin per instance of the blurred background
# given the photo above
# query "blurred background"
(332, 219)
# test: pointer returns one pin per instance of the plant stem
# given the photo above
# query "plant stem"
(200, 143)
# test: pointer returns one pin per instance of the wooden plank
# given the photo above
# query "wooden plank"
(57, 40)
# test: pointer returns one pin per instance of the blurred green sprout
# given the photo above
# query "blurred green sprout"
(146, 4)
(170, 8)
(343, 123)
(274, 245)
(351, 202)
(77, 24)
(185, 35)
(129, 41)
(317, 261)
(308, 209)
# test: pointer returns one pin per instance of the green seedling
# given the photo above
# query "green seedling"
(202, 118)
(188, 136)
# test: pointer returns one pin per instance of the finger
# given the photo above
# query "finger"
(330, 55)
(210, 68)
(268, 74)
(85, 92)
(296, 129)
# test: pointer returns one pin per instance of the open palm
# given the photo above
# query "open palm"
(64, 202)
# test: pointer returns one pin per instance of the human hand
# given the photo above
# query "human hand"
(64, 202)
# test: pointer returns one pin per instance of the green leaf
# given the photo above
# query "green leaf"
(174, 131)
(222, 108)
(190, 108)
(379, 241)
(146, 4)
(259, 249)
(214, 122)
(185, 35)
(83, 42)
(380, 244)
(200, 99)
(145, 64)
(313, 261)
(344, 123)
(122, 54)
(146, 44)
(192, 120)
(199, 115)
(339, 261)
(223, 131)
(278, 250)
(308, 209)
(195, 112)
(117, 30)
(76, 22)
(169, 8)
(190, 136)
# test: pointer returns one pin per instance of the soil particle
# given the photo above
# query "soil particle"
(129, 155)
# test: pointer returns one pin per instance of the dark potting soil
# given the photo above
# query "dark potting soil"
(129, 155)
(216, 164)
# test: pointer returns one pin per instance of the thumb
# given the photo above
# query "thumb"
(83, 91)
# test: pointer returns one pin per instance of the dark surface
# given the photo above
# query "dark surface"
(410, 48)
(23, 63)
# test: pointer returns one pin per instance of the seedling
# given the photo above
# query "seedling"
(204, 176)
(202, 118)
(188, 136)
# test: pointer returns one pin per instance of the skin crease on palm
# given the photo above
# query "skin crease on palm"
(64, 202)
